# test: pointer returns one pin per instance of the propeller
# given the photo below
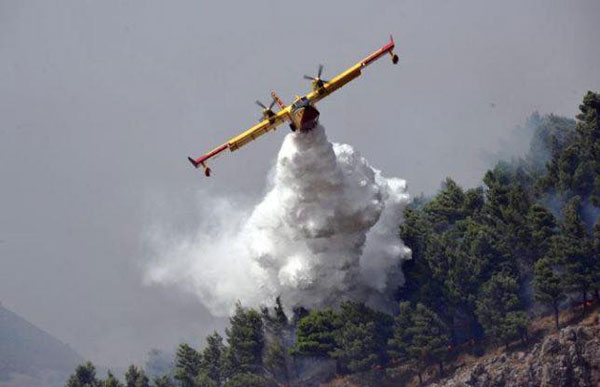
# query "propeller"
(267, 111)
(318, 82)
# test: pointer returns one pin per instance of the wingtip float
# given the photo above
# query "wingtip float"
(301, 114)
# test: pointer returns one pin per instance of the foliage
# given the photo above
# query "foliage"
(245, 337)
(111, 381)
(275, 360)
(248, 380)
(498, 308)
(187, 365)
(361, 337)
(163, 381)
(84, 376)
(419, 337)
(212, 357)
(314, 334)
(575, 250)
(136, 377)
(549, 289)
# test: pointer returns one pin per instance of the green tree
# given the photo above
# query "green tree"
(549, 289)
(314, 334)
(84, 376)
(542, 227)
(497, 308)
(245, 337)
(575, 249)
(187, 365)
(212, 357)
(596, 262)
(136, 377)
(420, 337)
(574, 168)
(429, 338)
(163, 381)
(420, 282)
(361, 337)
(111, 381)
(447, 207)
(401, 338)
(275, 360)
(248, 380)
(203, 380)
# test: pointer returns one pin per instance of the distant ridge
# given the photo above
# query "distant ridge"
(31, 357)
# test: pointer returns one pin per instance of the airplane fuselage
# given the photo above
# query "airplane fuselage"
(304, 115)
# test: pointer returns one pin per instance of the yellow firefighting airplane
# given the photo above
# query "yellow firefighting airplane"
(302, 115)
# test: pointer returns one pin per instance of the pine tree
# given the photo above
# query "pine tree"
(136, 377)
(187, 365)
(549, 289)
(596, 262)
(497, 307)
(84, 376)
(356, 346)
(542, 227)
(203, 380)
(248, 380)
(314, 334)
(429, 337)
(589, 129)
(245, 337)
(111, 381)
(275, 360)
(361, 337)
(420, 337)
(575, 249)
(212, 357)
(400, 341)
(447, 207)
(163, 381)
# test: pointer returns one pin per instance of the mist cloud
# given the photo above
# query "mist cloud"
(327, 230)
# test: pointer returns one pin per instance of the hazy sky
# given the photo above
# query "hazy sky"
(102, 101)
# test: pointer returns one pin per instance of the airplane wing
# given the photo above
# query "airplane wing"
(239, 141)
(353, 72)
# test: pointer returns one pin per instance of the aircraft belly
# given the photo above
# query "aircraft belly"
(307, 117)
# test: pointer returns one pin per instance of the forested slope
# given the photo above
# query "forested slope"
(485, 262)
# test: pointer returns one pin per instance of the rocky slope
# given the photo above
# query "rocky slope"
(570, 357)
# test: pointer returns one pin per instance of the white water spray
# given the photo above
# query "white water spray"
(327, 231)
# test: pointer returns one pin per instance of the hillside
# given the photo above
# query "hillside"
(568, 357)
(29, 356)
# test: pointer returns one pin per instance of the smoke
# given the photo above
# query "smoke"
(326, 231)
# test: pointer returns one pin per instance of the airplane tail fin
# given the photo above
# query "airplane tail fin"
(194, 162)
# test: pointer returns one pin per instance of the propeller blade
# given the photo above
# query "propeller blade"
(260, 104)
(272, 104)
(320, 71)
(309, 78)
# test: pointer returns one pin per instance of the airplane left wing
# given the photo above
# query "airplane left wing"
(239, 141)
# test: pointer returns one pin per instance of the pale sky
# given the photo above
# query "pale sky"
(101, 102)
